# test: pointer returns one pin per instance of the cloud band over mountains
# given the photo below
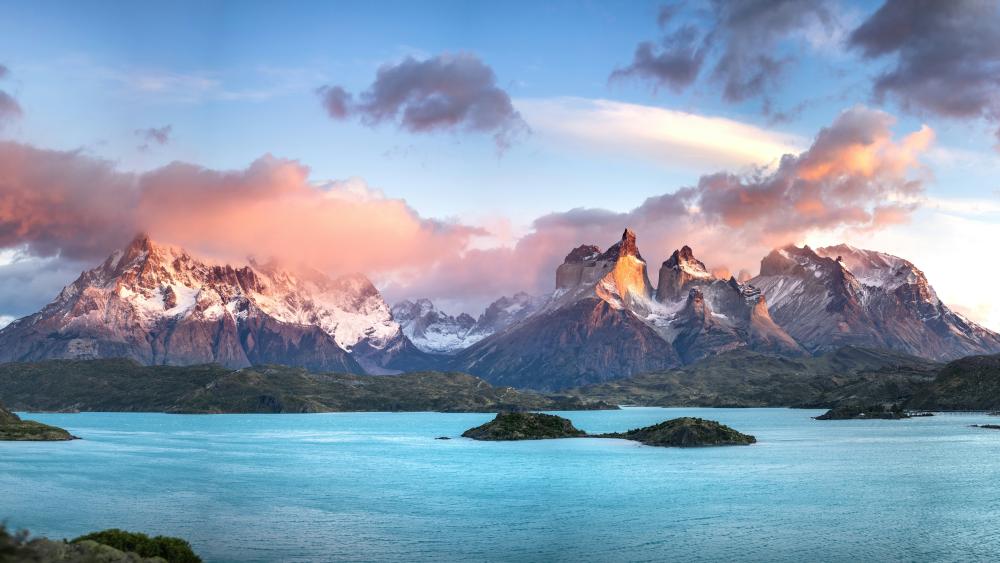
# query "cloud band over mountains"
(68, 204)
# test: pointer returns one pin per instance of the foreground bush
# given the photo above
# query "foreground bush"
(174, 550)
(109, 546)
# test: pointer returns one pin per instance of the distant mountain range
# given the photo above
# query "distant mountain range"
(437, 332)
(157, 304)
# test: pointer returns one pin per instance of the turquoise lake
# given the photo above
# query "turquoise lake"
(379, 487)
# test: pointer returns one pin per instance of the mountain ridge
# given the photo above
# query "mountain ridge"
(158, 304)
(604, 320)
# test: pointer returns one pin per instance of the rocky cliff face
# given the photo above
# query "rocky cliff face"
(159, 305)
(603, 322)
(677, 273)
(584, 342)
(701, 315)
(841, 295)
(591, 329)
(617, 276)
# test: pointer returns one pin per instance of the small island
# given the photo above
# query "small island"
(686, 432)
(12, 428)
(859, 412)
(524, 426)
(683, 432)
(987, 426)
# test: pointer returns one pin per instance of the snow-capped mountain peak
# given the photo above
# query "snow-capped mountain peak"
(159, 304)
(435, 331)
(840, 295)
(677, 272)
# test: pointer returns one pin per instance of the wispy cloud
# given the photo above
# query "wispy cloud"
(190, 86)
(668, 137)
(154, 135)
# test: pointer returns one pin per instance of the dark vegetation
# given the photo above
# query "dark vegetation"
(524, 426)
(847, 377)
(852, 412)
(109, 546)
(679, 432)
(686, 432)
(12, 428)
(174, 550)
(971, 383)
(742, 378)
(124, 385)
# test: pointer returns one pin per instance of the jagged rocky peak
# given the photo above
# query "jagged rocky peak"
(437, 332)
(618, 275)
(840, 295)
(157, 303)
(626, 285)
(684, 259)
(876, 269)
(429, 328)
(583, 253)
(506, 311)
(804, 262)
(625, 247)
(677, 272)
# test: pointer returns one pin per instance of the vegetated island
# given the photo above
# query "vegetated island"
(12, 428)
(524, 426)
(120, 385)
(864, 412)
(108, 546)
(680, 432)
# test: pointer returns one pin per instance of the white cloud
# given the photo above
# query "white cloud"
(668, 137)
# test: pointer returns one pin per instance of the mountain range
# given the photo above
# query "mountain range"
(159, 305)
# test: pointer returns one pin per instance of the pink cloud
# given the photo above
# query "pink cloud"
(854, 177)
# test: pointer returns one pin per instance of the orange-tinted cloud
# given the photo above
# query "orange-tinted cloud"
(854, 177)
(79, 207)
(271, 210)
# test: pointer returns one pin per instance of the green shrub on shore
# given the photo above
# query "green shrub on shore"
(108, 546)
(174, 550)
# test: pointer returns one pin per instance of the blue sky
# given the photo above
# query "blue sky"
(237, 80)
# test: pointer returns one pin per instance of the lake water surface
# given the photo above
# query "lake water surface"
(378, 487)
